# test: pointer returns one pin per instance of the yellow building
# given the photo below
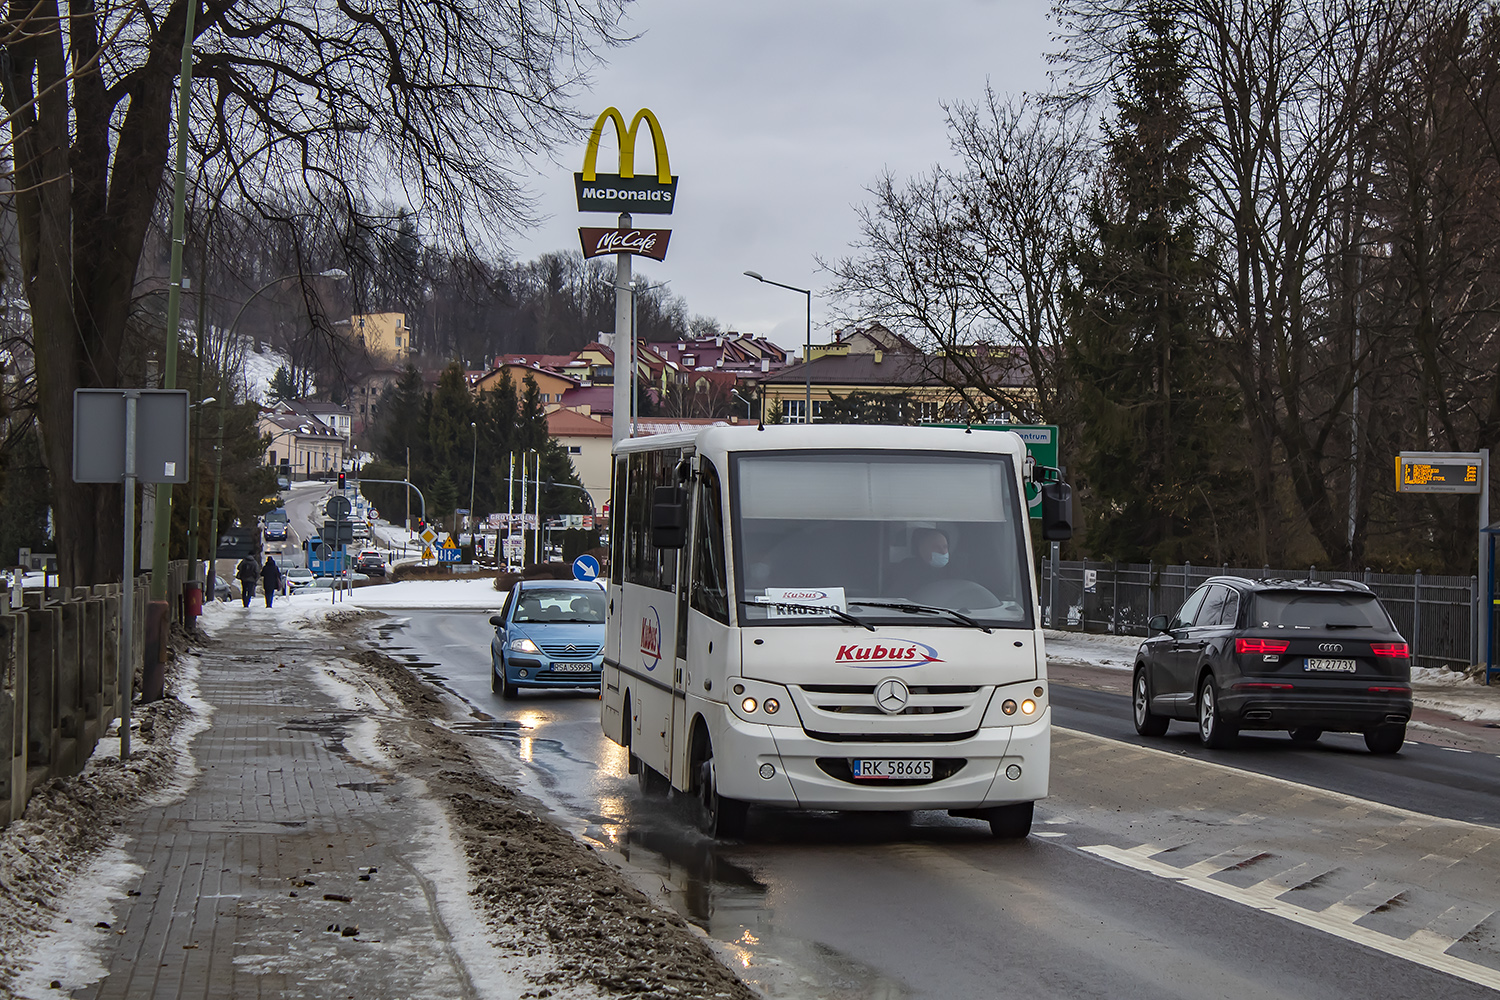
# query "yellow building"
(384, 335)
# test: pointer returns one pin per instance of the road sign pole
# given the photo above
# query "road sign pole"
(127, 580)
(1483, 624)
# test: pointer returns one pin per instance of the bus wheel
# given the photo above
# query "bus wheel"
(718, 816)
(653, 784)
(1011, 822)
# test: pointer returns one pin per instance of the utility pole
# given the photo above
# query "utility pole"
(624, 344)
(163, 532)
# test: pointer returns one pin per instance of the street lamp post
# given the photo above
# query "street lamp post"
(162, 537)
(807, 352)
(736, 394)
(473, 472)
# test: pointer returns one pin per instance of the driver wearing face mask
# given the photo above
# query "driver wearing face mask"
(928, 563)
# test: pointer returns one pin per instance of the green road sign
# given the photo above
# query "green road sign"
(1041, 445)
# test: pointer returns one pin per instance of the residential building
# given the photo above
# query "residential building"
(385, 335)
(304, 442)
(364, 396)
(551, 382)
(928, 397)
(586, 439)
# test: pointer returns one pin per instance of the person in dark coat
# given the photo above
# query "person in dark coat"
(271, 576)
(247, 573)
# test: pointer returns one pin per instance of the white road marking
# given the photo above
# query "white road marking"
(1427, 947)
(1354, 801)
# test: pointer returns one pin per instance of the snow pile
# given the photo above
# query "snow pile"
(1114, 652)
(478, 593)
(61, 865)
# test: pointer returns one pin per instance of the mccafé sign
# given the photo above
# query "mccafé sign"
(624, 191)
(642, 242)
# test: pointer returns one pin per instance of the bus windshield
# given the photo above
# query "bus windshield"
(915, 533)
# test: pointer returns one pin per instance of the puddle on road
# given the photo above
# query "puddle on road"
(702, 879)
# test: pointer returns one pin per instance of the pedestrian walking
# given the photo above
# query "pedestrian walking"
(271, 577)
(247, 572)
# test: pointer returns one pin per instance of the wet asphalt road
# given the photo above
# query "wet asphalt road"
(824, 905)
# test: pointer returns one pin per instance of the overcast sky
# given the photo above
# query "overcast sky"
(777, 115)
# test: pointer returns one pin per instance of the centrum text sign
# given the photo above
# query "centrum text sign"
(624, 191)
(642, 242)
(1439, 472)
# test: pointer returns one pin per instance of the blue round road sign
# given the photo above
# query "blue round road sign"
(586, 568)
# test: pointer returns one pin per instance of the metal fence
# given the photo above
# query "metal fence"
(1436, 614)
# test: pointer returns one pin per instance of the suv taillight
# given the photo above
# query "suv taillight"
(1255, 646)
(1395, 650)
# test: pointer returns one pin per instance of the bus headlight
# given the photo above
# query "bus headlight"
(1028, 707)
(1009, 707)
(758, 701)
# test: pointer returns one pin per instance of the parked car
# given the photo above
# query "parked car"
(221, 588)
(370, 562)
(1301, 656)
(549, 634)
(298, 578)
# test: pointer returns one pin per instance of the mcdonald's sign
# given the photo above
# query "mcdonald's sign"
(625, 192)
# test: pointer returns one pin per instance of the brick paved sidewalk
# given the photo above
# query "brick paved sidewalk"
(255, 881)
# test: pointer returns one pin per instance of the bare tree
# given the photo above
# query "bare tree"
(968, 262)
(433, 101)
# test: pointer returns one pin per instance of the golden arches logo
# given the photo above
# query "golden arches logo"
(627, 145)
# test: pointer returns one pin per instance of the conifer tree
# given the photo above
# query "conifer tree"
(1148, 412)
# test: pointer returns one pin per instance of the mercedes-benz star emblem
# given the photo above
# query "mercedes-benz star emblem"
(891, 696)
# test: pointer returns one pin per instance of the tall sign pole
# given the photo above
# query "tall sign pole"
(620, 424)
(625, 193)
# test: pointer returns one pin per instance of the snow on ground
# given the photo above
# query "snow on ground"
(477, 593)
(259, 369)
(1115, 652)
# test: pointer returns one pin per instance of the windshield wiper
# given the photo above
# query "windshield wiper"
(931, 609)
(817, 609)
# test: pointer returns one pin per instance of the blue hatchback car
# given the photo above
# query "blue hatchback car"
(550, 634)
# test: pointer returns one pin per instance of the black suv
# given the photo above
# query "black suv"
(1301, 656)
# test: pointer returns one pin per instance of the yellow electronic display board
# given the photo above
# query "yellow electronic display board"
(1438, 472)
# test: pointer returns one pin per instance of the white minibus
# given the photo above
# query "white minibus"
(830, 617)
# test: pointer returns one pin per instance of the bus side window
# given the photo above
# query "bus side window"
(710, 593)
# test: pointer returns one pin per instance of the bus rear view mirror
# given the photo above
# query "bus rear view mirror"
(1057, 511)
(669, 517)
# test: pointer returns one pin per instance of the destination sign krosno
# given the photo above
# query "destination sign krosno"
(1439, 472)
(624, 191)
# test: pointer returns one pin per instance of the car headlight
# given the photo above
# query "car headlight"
(523, 645)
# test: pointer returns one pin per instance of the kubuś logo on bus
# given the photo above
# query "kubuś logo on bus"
(889, 653)
(650, 639)
(803, 595)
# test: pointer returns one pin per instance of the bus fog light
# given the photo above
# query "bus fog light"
(767, 771)
(772, 706)
(1038, 691)
(739, 689)
(1013, 772)
(748, 705)
(1009, 708)
(1028, 706)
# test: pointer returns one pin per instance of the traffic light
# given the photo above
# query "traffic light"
(341, 482)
